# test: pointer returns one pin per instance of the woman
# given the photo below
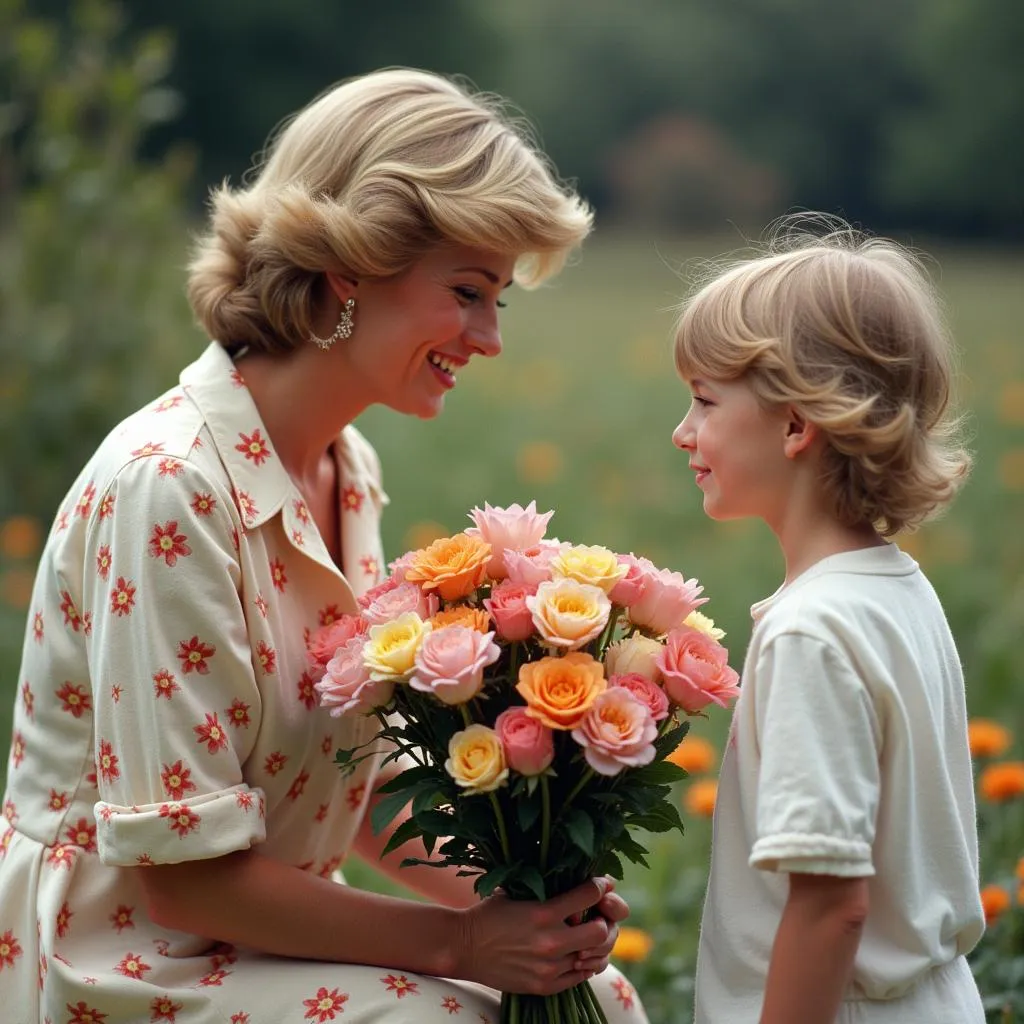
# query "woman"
(173, 816)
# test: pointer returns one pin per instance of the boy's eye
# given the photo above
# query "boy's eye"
(701, 401)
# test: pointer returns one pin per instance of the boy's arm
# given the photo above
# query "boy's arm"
(814, 948)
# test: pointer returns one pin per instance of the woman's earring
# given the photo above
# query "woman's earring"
(344, 329)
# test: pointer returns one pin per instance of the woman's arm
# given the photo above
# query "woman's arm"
(814, 949)
(251, 900)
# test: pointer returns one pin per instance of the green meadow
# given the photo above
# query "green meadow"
(577, 414)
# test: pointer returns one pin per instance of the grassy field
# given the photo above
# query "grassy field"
(578, 413)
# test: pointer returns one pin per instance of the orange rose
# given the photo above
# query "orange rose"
(995, 901)
(560, 691)
(1002, 781)
(694, 755)
(987, 738)
(463, 615)
(453, 566)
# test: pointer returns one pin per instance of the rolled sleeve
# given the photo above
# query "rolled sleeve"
(177, 706)
(819, 737)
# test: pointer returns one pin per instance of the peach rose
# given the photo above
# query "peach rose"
(568, 614)
(347, 687)
(508, 529)
(591, 564)
(507, 606)
(529, 744)
(476, 760)
(560, 691)
(406, 597)
(617, 732)
(451, 661)
(695, 670)
(636, 653)
(453, 566)
(645, 691)
(326, 640)
(667, 598)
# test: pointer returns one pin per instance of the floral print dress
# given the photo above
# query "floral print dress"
(166, 713)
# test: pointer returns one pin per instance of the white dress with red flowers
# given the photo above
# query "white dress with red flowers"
(166, 713)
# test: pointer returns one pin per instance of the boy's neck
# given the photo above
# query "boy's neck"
(805, 544)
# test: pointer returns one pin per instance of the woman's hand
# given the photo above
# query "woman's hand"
(534, 948)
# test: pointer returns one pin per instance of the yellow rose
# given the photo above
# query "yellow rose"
(476, 759)
(390, 652)
(634, 654)
(594, 565)
(701, 622)
(560, 691)
(569, 614)
(453, 566)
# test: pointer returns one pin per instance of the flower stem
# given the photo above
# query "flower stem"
(513, 663)
(502, 834)
(545, 823)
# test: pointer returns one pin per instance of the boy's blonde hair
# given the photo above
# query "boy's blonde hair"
(848, 330)
(363, 181)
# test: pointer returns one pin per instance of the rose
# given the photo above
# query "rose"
(346, 686)
(453, 566)
(637, 653)
(645, 691)
(628, 590)
(569, 614)
(476, 760)
(382, 588)
(451, 661)
(405, 597)
(560, 691)
(617, 732)
(594, 565)
(698, 621)
(513, 619)
(399, 566)
(390, 651)
(666, 600)
(327, 639)
(533, 566)
(695, 670)
(508, 529)
(462, 615)
(529, 744)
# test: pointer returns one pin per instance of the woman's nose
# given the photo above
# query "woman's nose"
(484, 334)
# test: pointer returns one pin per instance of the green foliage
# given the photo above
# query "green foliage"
(91, 310)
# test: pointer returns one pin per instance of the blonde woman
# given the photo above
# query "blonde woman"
(844, 875)
(173, 817)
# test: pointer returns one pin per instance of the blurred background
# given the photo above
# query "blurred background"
(689, 126)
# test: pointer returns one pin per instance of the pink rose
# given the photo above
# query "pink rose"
(346, 687)
(532, 567)
(629, 589)
(695, 670)
(399, 565)
(666, 600)
(405, 597)
(529, 744)
(382, 588)
(513, 620)
(645, 691)
(326, 640)
(451, 661)
(508, 529)
(617, 732)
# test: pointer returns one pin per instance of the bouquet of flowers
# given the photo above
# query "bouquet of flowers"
(537, 687)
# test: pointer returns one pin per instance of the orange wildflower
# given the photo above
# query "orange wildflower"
(632, 945)
(1020, 870)
(700, 796)
(453, 566)
(463, 615)
(987, 738)
(694, 755)
(1002, 781)
(995, 901)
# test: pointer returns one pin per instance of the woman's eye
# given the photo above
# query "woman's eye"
(467, 294)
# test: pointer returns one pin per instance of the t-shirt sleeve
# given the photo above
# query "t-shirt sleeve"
(175, 693)
(819, 739)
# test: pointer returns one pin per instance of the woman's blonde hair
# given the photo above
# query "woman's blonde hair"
(848, 330)
(363, 181)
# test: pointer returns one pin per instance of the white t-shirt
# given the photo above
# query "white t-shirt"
(847, 756)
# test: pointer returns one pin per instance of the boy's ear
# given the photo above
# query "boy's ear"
(799, 433)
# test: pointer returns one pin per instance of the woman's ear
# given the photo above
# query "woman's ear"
(799, 433)
(343, 288)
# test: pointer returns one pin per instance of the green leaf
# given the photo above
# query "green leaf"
(426, 798)
(406, 831)
(527, 813)
(609, 864)
(581, 830)
(385, 809)
(658, 773)
(487, 883)
(532, 879)
(417, 776)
